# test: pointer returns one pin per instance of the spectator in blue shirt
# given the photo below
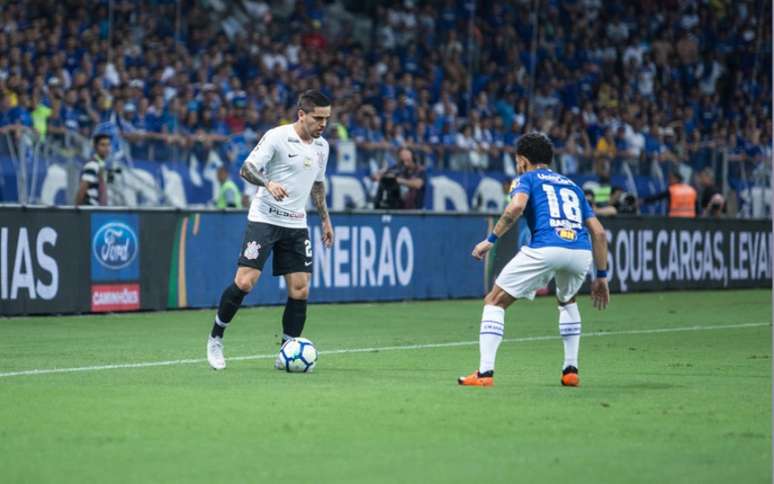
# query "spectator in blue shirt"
(20, 114)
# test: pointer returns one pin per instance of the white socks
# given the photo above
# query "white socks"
(492, 326)
(570, 330)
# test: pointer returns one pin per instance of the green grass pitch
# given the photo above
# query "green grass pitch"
(682, 405)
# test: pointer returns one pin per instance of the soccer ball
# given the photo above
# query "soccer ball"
(297, 355)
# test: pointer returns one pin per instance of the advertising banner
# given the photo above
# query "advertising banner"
(115, 297)
(115, 262)
(114, 247)
(43, 261)
(159, 234)
(653, 254)
(656, 253)
(374, 258)
(58, 260)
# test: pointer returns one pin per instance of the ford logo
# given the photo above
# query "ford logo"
(115, 245)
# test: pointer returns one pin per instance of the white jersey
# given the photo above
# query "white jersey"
(295, 165)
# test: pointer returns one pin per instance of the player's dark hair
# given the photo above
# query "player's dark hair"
(312, 99)
(536, 147)
(100, 137)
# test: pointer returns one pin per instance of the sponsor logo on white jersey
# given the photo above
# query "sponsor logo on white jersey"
(281, 212)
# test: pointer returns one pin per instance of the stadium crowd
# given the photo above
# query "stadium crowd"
(609, 81)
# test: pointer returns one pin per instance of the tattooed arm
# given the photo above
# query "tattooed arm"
(253, 175)
(257, 177)
(512, 213)
(318, 199)
(252, 169)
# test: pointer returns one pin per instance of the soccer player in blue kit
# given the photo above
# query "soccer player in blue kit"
(564, 230)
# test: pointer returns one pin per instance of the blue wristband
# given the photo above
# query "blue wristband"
(492, 238)
(601, 273)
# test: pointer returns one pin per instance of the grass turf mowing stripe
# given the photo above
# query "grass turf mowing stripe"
(119, 366)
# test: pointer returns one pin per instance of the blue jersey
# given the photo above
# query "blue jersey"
(556, 210)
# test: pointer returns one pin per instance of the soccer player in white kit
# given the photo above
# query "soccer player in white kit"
(564, 231)
(288, 165)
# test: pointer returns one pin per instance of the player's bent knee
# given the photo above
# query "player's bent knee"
(498, 297)
(564, 303)
(244, 284)
(245, 279)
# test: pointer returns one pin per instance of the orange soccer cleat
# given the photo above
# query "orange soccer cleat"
(477, 379)
(570, 377)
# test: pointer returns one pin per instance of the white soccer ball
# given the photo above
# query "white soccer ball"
(297, 355)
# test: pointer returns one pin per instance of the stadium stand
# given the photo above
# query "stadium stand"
(626, 90)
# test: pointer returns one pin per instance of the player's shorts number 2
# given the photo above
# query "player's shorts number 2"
(308, 246)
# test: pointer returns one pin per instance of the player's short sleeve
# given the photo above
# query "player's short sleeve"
(263, 151)
(323, 165)
(523, 184)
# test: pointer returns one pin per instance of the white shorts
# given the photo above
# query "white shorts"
(532, 269)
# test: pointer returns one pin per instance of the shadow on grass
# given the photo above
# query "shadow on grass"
(639, 385)
(627, 385)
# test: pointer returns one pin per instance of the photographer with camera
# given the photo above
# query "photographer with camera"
(712, 203)
(93, 188)
(624, 202)
(620, 203)
(401, 186)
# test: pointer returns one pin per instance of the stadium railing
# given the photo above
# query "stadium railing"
(744, 180)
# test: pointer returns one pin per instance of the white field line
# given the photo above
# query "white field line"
(147, 364)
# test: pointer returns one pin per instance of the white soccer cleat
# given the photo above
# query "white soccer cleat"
(215, 353)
